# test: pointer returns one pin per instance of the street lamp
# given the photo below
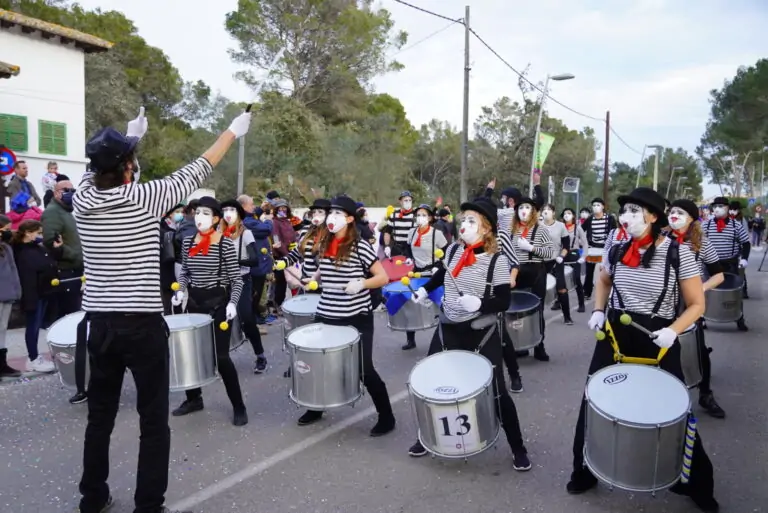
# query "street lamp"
(671, 175)
(658, 149)
(557, 78)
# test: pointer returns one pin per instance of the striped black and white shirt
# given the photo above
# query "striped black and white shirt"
(508, 248)
(543, 248)
(728, 242)
(306, 259)
(471, 280)
(640, 288)
(612, 240)
(120, 234)
(208, 271)
(334, 302)
(505, 217)
(597, 231)
(401, 226)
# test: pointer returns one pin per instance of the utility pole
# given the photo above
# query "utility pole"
(606, 164)
(465, 119)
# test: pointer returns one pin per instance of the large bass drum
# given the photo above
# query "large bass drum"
(62, 340)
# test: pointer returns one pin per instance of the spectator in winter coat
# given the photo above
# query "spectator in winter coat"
(19, 183)
(187, 227)
(261, 230)
(10, 292)
(283, 236)
(21, 210)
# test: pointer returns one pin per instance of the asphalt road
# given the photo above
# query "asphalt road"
(272, 465)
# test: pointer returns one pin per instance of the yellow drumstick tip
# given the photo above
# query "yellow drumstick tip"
(175, 287)
(405, 280)
(600, 335)
(280, 265)
(224, 326)
(417, 275)
(439, 253)
(410, 274)
(55, 282)
(625, 319)
(82, 278)
(398, 262)
(263, 251)
(313, 285)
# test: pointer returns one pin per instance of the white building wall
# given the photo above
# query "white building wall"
(50, 87)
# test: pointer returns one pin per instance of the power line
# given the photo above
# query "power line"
(622, 141)
(459, 20)
(433, 34)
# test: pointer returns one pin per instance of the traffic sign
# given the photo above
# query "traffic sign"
(7, 161)
(751, 201)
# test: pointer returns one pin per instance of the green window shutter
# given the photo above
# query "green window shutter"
(13, 132)
(52, 138)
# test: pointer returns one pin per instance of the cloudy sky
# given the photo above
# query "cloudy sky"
(650, 62)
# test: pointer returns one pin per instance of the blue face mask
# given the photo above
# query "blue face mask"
(66, 198)
(178, 217)
(38, 239)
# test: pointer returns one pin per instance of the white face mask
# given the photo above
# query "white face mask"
(720, 211)
(633, 220)
(336, 221)
(524, 211)
(547, 215)
(584, 215)
(422, 220)
(733, 212)
(406, 204)
(318, 217)
(230, 215)
(597, 208)
(678, 218)
(203, 219)
(470, 227)
(567, 217)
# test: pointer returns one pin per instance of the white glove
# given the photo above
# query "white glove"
(596, 321)
(559, 260)
(469, 304)
(138, 127)
(354, 287)
(581, 260)
(665, 337)
(408, 261)
(231, 311)
(524, 244)
(178, 298)
(743, 263)
(241, 124)
(420, 296)
(388, 252)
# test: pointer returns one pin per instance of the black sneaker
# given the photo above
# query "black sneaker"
(417, 450)
(742, 325)
(581, 309)
(707, 401)
(240, 417)
(520, 461)
(568, 321)
(515, 384)
(408, 346)
(706, 504)
(310, 417)
(78, 398)
(106, 507)
(581, 481)
(383, 426)
(556, 306)
(188, 406)
(540, 353)
(261, 365)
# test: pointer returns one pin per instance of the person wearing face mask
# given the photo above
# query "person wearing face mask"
(472, 303)
(560, 242)
(10, 292)
(597, 227)
(757, 226)
(247, 256)
(576, 249)
(399, 225)
(283, 237)
(534, 247)
(645, 278)
(169, 252)
(685, 228)
(422, 241)
(37, 268)
(510, 197)
(211, 283)
(731, 242)
(347, 269)
(363, 227)
(22, 210)
(734, 212)
(583, 215)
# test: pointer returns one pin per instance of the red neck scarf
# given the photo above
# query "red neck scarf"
(333, 248)
(204, 245)
(419, 233)
(632, 257)
(570, 226)
(230, 230)
(721, 223)
(525, 232)
(679, 234)
(622, 235)
(404, 212)
(732, 216)
(467, 258)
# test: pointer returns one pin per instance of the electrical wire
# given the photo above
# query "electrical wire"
(461, 20)
(622, 141)
(433, 34)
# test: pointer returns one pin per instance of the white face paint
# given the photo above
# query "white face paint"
(597, 208)
(633, 220)
(547, 214)
(470, 229)
(584, 215)
(406, 203)
(318, 217)
(422, 220)
(230, 215)
(720, 211)
(203, 219)
(525, 211)
(733, 212)
(336, 220)
(678, 218)
(568, 217)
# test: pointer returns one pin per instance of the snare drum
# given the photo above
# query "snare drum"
(404, 314)
(690, 358)
(192, 351)
(635, 427)
(452, 397)
(551, 285)
(300, 310)
(237, 337)
(523, 320)
(62, 339)
(595, 255)
(724, 303)
(325, 363)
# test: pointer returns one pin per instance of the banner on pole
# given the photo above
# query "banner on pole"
(545, 144)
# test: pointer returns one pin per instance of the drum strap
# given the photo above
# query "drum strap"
(490, 330)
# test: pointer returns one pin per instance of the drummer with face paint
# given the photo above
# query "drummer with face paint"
(344, 263)
(597, 227)
(560, 241)
(685, 228)
(399, 224)
(645, 277)
(211, 283)
(422, 242)
(470, 309)
(576, 249)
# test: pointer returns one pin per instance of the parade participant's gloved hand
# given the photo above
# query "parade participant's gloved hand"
(524, 244)
(469, 304)
(388, 252)
(354, 287)
(597, 321)
(581, 260)
(665, 337)
(408, 261)
(559, 260)
(743, 263)
(178, 298)
(279, 265)
(420, 296)
(231, 311)
(138, 127)
(241, 124)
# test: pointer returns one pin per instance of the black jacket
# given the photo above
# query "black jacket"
(37, 268)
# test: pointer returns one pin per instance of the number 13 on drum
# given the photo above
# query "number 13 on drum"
(456, 429)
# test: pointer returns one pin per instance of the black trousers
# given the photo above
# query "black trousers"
(199, 301)
(589, 279)
(561, 290)
(258, 291)
(376, 387)
(534, 277)
(139, 343)
(281, 288)
(706, 362)
(410, 336)
(632, 342)
(462, 336)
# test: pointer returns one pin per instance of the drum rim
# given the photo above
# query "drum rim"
(321, 350)
(532, 309)
(208, 321)
(302, 298)
(454, 400)
(51, 329)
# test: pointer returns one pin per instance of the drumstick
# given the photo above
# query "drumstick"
(407, 282)
(626, 320)
(439, 254)
(56, 282)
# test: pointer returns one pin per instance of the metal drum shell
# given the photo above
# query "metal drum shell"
(325, 377)
(485, 407)
(570, 284)
(192, 351)
(300, 310)
(237, 337)
(62, 342)
(414, 317)
(690, 358)
(551, 293)
(724, 303)
(619, 452)
(524, 326)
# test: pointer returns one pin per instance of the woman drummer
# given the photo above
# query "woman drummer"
(686, 229)
(422, 242)
(470, 312)
(344, 262)
(534, 247)
(560, 241)
(212, 282)
(645, 277)
(577, 248)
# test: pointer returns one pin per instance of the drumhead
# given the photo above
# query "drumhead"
(451, 376)
(187, 321)
(397, 287)
(305, 304)
(595, 252)
(64, 331)
(638, 394)
(520, 302)
(322, 336)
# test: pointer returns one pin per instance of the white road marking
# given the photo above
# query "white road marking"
(255, 469)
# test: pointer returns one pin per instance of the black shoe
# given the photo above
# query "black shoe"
(106, 507)
(310, 417)
(745, 296)
(417, 450)
(742, 325)
(188, 406)
(556, 306)
(540, 353)
(240, 418)
(287, 374)
(523, 354)
(515, 384)
(707, 401)
(520, 461)
(78, 398)
(706, 504)
(8, 372)
(581, 308)
(581, 481)
(568, 321)
(261, 365)
(408, 346)
(385, 425)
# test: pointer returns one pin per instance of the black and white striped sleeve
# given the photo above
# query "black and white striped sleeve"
(231, 268)
(159, 196)
(707, 252)
(184, 272)
(689, 268)
(543, 247)
(508, 249)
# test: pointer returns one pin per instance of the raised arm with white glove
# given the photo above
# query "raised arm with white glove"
(138, 127)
